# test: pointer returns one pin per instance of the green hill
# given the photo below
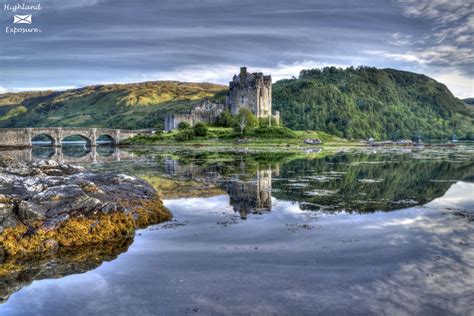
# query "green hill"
(352, 103)
(368, 102)
(128, 106)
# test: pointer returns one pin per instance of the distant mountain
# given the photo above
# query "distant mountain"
(368, 102)
(127, 106)
(469, 103)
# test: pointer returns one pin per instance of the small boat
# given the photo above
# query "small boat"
(315, 141)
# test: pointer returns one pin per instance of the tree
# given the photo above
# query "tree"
(245, 120)
(185, 134)
(200, 129)
(225, 119)
(183, 125)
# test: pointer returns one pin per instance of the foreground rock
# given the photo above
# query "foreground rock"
(47, 207)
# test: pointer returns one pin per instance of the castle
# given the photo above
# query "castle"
(250, 90)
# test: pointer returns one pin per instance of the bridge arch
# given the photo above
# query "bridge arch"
(87, 134)
(76, 138)
(105, 139)
(22, 137)
(43, 139)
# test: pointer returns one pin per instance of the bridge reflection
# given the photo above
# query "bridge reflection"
(71, 153)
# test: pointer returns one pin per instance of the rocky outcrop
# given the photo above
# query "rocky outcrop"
(46, 207)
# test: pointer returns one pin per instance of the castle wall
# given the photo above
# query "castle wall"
(206, 112)
(265, 97)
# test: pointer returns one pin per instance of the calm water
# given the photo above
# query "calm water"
(352, 232)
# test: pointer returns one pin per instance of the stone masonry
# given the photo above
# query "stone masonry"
(206, 112)
(21, 137)
(250, 90)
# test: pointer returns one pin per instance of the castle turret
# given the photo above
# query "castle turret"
(243, 71)
(251, 90)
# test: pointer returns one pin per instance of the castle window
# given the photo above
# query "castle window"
(242, 100)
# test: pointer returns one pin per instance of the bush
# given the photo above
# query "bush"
(185, 134)
(225, 119)
(200, 129)
(263, 121)
(144, 139)
(272, 132)
(183, 125)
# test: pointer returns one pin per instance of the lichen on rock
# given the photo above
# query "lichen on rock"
(46, 207)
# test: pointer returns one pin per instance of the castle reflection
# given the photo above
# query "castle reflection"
(253, 196)
(249, 191)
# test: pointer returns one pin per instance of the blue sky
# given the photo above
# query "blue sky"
(86, 42)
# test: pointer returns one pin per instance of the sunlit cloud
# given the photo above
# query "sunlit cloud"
(223, 72)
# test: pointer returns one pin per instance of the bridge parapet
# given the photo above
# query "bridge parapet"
(21, 137)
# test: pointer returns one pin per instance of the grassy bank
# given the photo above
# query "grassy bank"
(228, 137)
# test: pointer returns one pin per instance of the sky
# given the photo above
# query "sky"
(86, 42)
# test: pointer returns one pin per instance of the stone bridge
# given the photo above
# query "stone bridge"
(21, 137)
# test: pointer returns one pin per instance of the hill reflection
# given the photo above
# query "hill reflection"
(354, 182)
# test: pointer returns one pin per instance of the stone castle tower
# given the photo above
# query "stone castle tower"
(251, 90)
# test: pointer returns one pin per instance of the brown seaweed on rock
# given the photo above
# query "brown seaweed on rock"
(46, 207)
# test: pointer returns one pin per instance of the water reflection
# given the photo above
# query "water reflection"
(364, 182)
(353, 182)
(15, 274)
(414, 260)
(248, 186)
(72, 153)
(251, 196)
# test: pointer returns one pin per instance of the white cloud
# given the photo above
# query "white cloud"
(449, 44)
(399, 39)
(21, 89)
(222, 73)
(444, 11)
(459, 84)
(70, 4)
(442, 55)
(3, 90)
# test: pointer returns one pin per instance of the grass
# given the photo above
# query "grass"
(276, 137)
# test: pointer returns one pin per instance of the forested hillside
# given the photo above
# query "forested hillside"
(368, 102)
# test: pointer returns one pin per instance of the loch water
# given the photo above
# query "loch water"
(347, 231)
